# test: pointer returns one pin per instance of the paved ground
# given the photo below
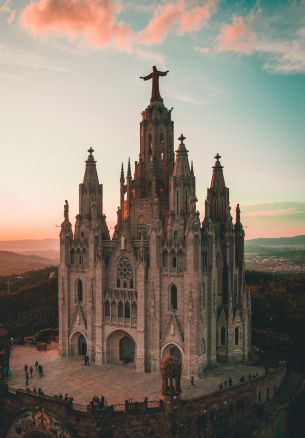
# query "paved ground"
(116, 383)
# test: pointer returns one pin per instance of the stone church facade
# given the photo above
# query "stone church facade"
(164, 281)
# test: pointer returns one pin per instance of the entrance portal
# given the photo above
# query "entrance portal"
(82, 345)
(127, 350)
(172, 349)
(121, 348)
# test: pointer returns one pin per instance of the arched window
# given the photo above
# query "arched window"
(161, 138)
(219, 274)
(79, 290)
(173, 297)
(236, 336)
(127, 310)
(180, 260)
(125, 277)
(164, 258)
(175, 235)
(150, 147)
(107, 308)
(223, 336)
(120, 310)
(174, 261)
(134, 311)
(141, 228)
(113, 309)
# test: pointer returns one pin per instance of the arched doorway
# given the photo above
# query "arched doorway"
(82, 345)
(78, 344)
(174, 350)
(121, 348)
(127, 349)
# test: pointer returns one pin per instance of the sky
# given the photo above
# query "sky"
(69, 80)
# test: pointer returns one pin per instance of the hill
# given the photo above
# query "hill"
(283, 254)
(47, 248)
(276, 241)
(31, 304)
(13, 263)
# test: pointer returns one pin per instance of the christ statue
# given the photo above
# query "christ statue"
(154, 75)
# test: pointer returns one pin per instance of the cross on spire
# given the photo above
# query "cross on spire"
(217, 156)
(90, 150)
(181, 138)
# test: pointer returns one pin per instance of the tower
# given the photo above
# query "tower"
(163, 282)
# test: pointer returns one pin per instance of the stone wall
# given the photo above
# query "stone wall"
(213, 415)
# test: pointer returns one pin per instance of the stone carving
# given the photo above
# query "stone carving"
(171, 376)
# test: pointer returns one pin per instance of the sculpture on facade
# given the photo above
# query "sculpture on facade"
(171, 376)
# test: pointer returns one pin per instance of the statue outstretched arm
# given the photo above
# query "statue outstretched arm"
(145, 78)
(163, 73)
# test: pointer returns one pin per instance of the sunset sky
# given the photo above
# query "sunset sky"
(69, 79)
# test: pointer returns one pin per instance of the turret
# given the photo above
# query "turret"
(218, 194)
(90, 190)
(182, 182)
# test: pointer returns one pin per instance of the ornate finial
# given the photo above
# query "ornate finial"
(217, 156)
(181, 138)
(66, 211)
(237, 213)
(90, 150)
(122, 173)
(129, 169)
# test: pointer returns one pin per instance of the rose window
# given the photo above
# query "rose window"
(125, 274)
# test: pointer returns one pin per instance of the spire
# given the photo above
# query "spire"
(122, 178)
(218, 194)
(90, 176)
(181, 166)
(192, 168)
(129, 169)
(218, 181)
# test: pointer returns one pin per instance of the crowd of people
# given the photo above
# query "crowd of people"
(228, 383)
(29, 372)
(97, 404)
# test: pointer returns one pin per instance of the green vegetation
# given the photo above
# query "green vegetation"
(31, 304)
(278, 304)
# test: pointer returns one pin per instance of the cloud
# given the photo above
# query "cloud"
(176, 17)
(273, 209)
(6, 8)
(93, 21)
(283, 47)
(238, 36)
(150, 55)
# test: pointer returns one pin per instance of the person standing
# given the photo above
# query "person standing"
(31, 372)
(36, 364)
(26, 379)
(25, 368)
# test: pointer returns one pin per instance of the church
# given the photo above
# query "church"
(166, 281)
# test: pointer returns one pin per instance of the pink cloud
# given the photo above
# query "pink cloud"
(94, 21)
(238, 36)
(176, 17)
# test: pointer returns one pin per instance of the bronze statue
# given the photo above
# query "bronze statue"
(154, 75)
(171, 376)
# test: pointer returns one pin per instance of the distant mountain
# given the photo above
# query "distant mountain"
(276, 241)
(13, 263)
(282, 254)
(46, 248)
